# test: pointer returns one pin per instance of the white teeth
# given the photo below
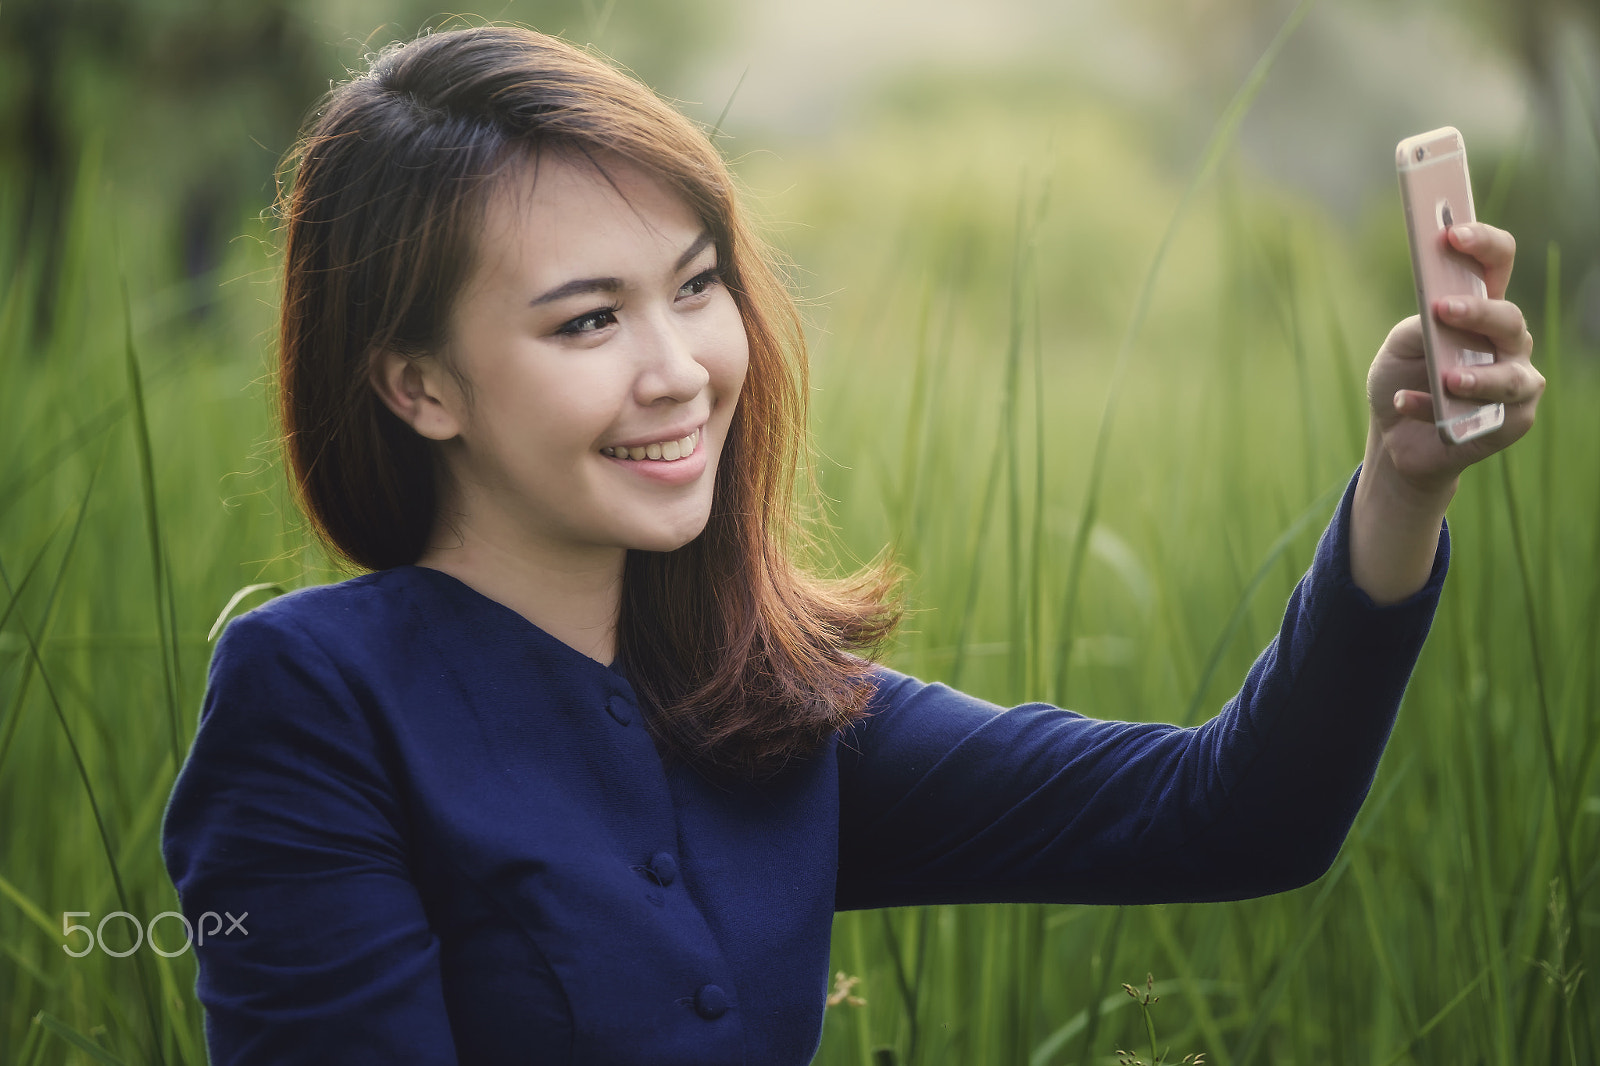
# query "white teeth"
(661, 451)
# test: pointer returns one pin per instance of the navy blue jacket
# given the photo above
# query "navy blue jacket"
(454, 840)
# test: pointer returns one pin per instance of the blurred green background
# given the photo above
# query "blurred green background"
(1091, 290)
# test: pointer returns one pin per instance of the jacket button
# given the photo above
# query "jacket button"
(710, 1002)
(618, 709)
(664, 868)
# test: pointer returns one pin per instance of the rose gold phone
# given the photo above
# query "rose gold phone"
(1437, 195)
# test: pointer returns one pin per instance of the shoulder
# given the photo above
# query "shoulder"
(890, 687)
(364, 602)
(400, 641)
(313, 678)
(345, 655)
(896, 694)
(341, 622)
(906, 713)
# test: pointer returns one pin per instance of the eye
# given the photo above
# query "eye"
(592, 322)
(701, 283)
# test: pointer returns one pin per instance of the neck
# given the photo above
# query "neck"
(572, 594)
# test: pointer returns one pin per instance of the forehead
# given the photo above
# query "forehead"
(562, 215)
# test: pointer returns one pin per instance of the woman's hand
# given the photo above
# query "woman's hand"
(1410, 474)
(1397, 386)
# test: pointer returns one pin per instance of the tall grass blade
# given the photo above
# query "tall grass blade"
(1179, 958)
(1563, 805)
(1549, 350)
(1101, 973)
(1505, 176)
(1036, 678)
(1222, 136)
(1536, 650)
(1011, 432)
(1019, 589)
(14, 598)
(30, 909)
(599, 18)
(234, 601)
(27, 966)
(1443, 1012)
(932, 351)
(32, 1044)
(863, 1028)
(166, 625)
(1311, 921)
(1236, 618)
(52, 458)
(716, 130)
(969, 608)
(1550, 419)
(1046, 1050)
(905, 984)
(78, 1040)
(14, 713)
(46, 463)
(1350, 390)
(83, 772)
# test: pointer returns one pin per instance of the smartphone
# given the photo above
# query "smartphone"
(1437, 195)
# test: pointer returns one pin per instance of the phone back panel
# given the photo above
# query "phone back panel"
(1438, 194)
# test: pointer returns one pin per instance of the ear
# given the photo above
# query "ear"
(419, 391)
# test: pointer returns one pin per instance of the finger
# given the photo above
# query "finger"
(1494, 248)
(1413, 404)
(1500, 321)
(1513, 381)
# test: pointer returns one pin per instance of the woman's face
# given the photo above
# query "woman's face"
(604, 357)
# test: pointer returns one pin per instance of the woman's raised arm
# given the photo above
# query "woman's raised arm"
(947, 799)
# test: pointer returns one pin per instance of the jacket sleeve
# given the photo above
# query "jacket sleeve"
(284, 819)
(945, 798)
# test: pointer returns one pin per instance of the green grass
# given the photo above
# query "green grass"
(972, 283)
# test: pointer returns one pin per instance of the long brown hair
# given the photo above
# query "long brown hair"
(744, 659)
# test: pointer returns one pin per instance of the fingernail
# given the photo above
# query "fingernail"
(1463, 234)
(1466, 379)
(1456, 307)
(1399, 401)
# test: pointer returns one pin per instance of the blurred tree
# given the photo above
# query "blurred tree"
(150, 80)
(38, 147)
(1536, 32)
(1557, 46)
(1353, 71)
(197, 101)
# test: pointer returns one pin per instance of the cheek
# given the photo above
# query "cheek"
(556, 405)
(728, 353)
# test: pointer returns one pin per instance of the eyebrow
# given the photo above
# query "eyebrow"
(582, 286)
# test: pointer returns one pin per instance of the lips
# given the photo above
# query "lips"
(664, 451)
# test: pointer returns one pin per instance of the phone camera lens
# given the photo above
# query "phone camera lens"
(1448, 220)
(1420, 153)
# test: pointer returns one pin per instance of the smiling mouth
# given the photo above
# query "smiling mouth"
(665, 451)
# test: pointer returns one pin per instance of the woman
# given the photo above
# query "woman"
(581, 770)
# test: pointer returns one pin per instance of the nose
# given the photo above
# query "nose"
(668, 369)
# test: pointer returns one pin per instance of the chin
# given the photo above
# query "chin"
(670, 538)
